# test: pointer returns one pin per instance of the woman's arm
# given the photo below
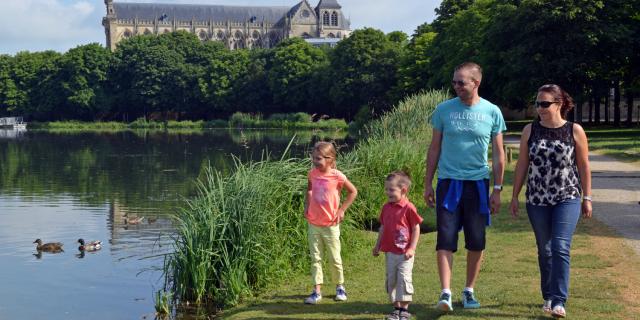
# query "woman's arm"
(584, 169)
(522, 166)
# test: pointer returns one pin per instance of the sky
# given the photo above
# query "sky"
(37, 25)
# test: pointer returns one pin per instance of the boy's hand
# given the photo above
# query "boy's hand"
(409, 254)
(375, 251)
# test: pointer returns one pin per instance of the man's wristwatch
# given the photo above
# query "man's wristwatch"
(497, 187)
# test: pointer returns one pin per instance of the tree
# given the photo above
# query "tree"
(8, 89)
(290, 65)
(364, 67)
(82, 77)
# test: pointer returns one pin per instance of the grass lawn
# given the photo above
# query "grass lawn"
(605, 278)
(620, 143)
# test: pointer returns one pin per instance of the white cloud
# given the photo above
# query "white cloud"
(59, 25)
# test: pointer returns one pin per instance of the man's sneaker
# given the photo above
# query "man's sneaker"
(394, 315)
(546, 307)
(341, 294)
(314, 298)
(469, 300)
(404, 315)
(444, 304)
(558, 312)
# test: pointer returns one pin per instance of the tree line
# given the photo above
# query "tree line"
(589, 47)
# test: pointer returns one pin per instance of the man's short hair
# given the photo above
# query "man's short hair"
(399, 177)
(474, 68)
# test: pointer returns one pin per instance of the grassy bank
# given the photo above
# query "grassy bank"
(291, 121)
(245, 231)
(603, 271)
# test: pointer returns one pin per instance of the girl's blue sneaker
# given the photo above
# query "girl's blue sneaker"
(313, 298)
(444, 304)
(469, 300)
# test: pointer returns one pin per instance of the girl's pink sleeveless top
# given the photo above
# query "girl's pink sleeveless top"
(325, 196)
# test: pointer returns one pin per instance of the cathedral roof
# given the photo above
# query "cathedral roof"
(187, 12)
(329, 4)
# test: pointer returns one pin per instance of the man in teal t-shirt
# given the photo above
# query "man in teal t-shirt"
(463, 127)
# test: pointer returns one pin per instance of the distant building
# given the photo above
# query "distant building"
(236, 26)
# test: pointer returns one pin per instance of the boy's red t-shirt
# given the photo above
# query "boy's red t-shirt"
(325, 196)
(398, 218)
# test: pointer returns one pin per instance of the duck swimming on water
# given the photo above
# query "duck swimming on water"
(48, 247)
(89, 246)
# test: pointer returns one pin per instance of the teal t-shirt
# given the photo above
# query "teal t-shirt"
(466, 135)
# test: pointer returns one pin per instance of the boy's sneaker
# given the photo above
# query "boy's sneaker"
(314, 298)
(546, 307)
(394, 315)
(469, 300)
(558, 312)
(444, 304)
(341, 294)
(404, 315)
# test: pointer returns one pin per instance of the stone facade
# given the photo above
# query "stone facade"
(236, 26)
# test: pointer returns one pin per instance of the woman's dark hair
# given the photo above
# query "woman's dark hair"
(559, 95)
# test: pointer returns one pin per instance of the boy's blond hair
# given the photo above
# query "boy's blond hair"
(399, 177)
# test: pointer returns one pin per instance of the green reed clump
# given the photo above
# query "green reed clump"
(241, 232)
(396, 141)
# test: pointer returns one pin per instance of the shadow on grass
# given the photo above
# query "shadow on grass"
(367, 310)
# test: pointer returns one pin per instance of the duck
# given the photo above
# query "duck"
(133, 220)
(89, 246)
(48, 247)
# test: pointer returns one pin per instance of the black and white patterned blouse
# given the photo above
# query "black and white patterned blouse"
(553, 174)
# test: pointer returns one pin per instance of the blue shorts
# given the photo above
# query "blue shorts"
(466, 216)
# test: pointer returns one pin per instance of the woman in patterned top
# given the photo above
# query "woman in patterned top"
(554, 159)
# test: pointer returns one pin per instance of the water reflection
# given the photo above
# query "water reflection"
(62, 186)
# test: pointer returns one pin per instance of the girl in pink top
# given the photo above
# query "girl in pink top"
(324, 214)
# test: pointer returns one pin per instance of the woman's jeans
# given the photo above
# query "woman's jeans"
(554, 227)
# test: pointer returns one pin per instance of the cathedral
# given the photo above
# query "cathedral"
(237, 27)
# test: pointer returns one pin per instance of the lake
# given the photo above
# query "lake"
(59, 187)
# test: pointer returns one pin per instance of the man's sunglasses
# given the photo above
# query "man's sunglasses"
(544, 104)
(458, 83)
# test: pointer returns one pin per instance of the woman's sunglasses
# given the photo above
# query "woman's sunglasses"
(544, 104)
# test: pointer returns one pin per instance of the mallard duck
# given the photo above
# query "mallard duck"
(89, 246)
(48, 247)
(133, 220)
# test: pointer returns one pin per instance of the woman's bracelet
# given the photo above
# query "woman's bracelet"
(587, 198)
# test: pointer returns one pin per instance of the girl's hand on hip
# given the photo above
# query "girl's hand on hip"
(375, 251)
(587, 210)
(339, 215)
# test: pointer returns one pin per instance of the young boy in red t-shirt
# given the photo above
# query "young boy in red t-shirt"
(398, 237)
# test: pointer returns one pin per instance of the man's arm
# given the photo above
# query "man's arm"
(498, 170)
(433, 155)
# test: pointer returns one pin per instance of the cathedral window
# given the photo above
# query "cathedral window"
(256, 35)
(220, 35)
(331, 35)
(238, 34)
(305, 13)
(325, 18)
(127, 33)
(305, 36)
(147, 31)
(334, 19)
(202, 35)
